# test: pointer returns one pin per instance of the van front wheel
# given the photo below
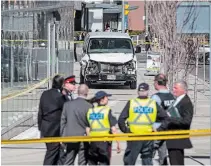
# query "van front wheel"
(81, 78)
(133, 85)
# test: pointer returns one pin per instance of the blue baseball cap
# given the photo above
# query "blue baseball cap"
(101, 94)
(143, 87)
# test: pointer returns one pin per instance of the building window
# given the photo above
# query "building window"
(118, 2)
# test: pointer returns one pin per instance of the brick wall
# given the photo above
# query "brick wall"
(135, 17)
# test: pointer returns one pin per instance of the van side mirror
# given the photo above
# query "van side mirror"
(138, 49)
(84, 50)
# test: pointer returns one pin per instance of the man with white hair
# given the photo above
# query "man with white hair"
(141, 113)
(73, 123)
(182, 121)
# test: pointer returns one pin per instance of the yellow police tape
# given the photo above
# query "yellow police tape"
(29, 89)
(134, 42)
(26, 90)
(165, 135)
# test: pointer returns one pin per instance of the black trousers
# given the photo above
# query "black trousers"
(99, 153)
(134, 148)
(176, 156)
(52, 154)
(77, 148)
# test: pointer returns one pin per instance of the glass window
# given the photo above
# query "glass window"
(110, 45)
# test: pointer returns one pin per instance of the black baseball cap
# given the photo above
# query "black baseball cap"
(100, 94)
(143, 87)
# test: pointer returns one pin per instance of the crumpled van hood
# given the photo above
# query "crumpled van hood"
(111, 57)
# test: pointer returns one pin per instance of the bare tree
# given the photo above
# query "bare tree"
(178, 50)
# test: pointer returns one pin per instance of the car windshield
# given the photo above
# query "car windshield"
(110, 45)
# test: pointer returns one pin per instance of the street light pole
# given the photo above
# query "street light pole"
(123, 16)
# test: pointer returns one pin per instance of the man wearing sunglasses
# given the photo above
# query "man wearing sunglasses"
(68, 89)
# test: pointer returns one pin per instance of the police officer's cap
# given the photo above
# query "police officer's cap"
(101, 94)
(70, 79)
(143, 87)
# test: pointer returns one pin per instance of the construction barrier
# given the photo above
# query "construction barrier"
(26, 90)
(164, 135)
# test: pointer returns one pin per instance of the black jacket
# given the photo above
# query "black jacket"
(161, 117)
(185, 108)
(49, 115)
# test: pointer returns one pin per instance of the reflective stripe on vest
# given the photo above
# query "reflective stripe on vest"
(141, 115)
(98, 119)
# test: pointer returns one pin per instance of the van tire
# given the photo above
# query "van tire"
(133, 85)
(81, 78)
(88, 84)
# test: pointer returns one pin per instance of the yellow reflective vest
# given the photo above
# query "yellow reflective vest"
(142, 115)
(98, 120)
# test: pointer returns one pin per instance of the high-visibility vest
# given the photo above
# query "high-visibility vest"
(98, 120)
(142, 115)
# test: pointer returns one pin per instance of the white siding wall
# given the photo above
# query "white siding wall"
(96, 19)
(120, 25)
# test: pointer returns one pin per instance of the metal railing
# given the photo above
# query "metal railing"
(36, 44)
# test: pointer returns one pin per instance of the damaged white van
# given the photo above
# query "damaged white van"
(108, 58)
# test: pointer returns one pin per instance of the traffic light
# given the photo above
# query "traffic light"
(126, 11)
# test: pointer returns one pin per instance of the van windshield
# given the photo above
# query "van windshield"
(110, 45)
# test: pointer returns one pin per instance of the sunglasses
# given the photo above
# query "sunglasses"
(73, 83)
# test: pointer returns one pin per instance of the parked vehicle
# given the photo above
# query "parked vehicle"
(205, 49)
(108, 58)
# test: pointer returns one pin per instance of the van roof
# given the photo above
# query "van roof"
(108, 35)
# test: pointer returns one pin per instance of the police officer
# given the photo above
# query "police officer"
(140, 113)
(164, 98)
(101, 122)
(69, 87)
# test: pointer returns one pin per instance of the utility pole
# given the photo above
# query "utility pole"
(123, 16)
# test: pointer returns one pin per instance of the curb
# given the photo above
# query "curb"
(199, 80)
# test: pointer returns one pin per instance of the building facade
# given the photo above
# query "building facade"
(136, 17)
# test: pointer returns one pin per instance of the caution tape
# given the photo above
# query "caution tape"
(26, 90)
(19, 93)
(42, 40)
(167, 135)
